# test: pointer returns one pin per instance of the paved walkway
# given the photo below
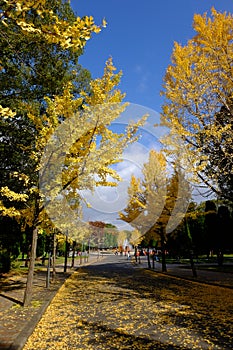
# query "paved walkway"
(17, 323)
(112, 304)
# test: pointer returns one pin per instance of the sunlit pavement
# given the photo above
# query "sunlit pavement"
(111, 304)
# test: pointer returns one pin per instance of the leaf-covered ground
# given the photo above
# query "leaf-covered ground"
(112, 305)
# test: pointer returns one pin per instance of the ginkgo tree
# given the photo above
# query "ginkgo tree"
(27, 25)
(92, 147)
(34, 64)
(32, 67)
(142, 193)
(146, 196)
(158, 202)
(135, 239)
(40, 42)
(73, 146)
(55, 30)
(198, 108)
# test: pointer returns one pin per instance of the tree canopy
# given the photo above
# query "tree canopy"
(55, 117)
(198, 110)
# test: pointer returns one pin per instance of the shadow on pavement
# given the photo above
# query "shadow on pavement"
(112, 339)
(183, 307)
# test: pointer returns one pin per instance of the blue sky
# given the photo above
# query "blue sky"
(139, 36)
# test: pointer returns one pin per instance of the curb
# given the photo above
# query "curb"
(21, 339)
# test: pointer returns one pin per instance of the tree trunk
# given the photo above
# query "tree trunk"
(220, 258)
(28, 290)
(164, 266)
(73, 254)
(153, 261)
(148, 258)
(194, 271)
(193, 267)
(135, 254)
(66, 254)
(54, 256)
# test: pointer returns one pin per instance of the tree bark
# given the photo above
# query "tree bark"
(193, 267)
(66, 254)
(28, 290)
(164, 266)
(153, 260)
(135, 254)
(220, 258)
(148, 258)
(54, 256)
(73, 254)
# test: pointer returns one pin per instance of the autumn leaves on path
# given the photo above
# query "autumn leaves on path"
(112, 305)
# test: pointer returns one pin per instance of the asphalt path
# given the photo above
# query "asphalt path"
(114, 304)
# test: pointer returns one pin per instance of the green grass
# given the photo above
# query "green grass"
(36, 303)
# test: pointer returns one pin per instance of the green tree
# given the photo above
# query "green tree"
(110, 235)
(196, 219)
(211, 226)
(225, 229)
(31, 68)
(218, 225)
(9, 246)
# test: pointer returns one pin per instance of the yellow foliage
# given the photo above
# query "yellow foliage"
(77, 132)
(11, 212)
(103, 89)
(197, 84)
(6, 112)
(135, 202)
(136, 237)
(57, 31)
(12, 196)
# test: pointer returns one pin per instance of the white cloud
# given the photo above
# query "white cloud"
(106, 202)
